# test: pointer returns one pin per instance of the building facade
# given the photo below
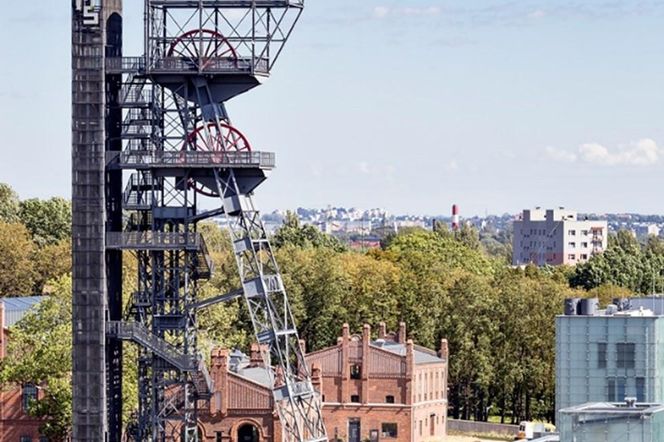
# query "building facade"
(601, 422)
(609, 356)
(556, 237)
(16, 425)
(387, 389)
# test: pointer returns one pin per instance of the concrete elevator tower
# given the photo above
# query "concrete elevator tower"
(152, 139)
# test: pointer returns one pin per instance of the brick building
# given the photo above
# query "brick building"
(388, 389)
(383, 389)
(15, 424)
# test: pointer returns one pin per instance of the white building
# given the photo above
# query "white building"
(555, 237)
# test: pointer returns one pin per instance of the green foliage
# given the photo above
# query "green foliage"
(17, 276)
(49, 221)
(39, 353)
(293, 233)
(9, 204)
(624, 264)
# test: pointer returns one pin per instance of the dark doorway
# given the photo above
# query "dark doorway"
(354, 431)
(247, 433)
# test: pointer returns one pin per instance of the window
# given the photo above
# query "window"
(625, 356)
(323, 398)
(571, 257)
(584, 245)
(601, 355)
(572, 245)
(355, 398)
(584, 232)
(25, 439)
(571, 232)
(420, 428)
(611, 387)
(620, 390)
(640, 389)
(583, 256)
(356, 371)
(218, 435)
(388, 430)
(389, 399)
(28, 395)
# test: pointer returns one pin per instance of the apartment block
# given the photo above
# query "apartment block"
(556, 237)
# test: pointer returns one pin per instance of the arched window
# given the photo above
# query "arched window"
(248, 433)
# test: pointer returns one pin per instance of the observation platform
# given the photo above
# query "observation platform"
(244, 4)
(227, 77)
(164, 241)
(143, 160)
(184, 66)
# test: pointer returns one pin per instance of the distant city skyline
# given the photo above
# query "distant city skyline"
(411, 106)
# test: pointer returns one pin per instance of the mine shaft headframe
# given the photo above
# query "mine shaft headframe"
(220, 36)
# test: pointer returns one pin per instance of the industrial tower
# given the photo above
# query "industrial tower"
(152, 138)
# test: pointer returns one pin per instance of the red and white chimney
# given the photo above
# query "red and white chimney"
(455, 217)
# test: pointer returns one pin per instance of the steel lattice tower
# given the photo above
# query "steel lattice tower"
(160, 122)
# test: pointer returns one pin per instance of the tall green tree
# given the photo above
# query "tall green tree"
(49, 221)
(294, 233)
(17, 275)
(9, 204)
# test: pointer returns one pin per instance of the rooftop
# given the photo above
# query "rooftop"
(16, 308)
(421, 355)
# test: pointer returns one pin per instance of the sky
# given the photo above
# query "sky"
(408, 105)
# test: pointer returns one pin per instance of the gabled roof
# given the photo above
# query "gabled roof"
(16, 308)
(421, 355)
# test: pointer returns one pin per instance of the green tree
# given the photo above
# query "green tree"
(49, 221)
(17, 275)
(39, 353)
(294, 233)
(9, 204)
(50, 263)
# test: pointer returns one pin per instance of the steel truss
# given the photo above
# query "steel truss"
(181, 146)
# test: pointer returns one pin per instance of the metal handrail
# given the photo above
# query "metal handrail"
(219, 65)
(197, 158)
(153, 240)
(138, 333)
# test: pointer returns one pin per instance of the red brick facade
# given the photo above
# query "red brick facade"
(371, 390)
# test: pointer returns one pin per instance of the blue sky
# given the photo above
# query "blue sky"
(407, 105)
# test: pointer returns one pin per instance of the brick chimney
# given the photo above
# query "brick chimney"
(219, 373)
(401, 338)
(443, 353)
(366, 340)
(2, 330)
(410, 365)
(345, 363)
(382, 331)
(255, 358)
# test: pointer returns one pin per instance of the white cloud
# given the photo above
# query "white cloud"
(381, 12)
(560, 155)
(644, 152)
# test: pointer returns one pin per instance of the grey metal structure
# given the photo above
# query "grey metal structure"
(161, 119)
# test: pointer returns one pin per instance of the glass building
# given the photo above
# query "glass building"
(604, 422)
(608, 356)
